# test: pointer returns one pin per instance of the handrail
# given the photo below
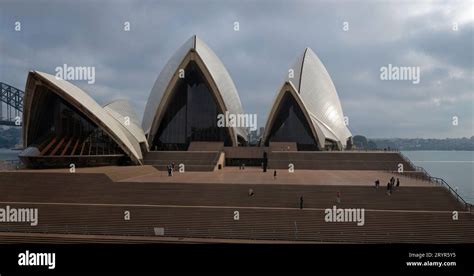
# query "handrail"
(437, 180)
(442, 181)
(406, 159)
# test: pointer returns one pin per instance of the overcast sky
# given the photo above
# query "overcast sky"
(272, 36)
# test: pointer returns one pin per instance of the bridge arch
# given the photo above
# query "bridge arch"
(11, 105)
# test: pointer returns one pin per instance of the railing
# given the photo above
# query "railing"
(418, 169)
(438, 181)
(441, 182)
(421, 169)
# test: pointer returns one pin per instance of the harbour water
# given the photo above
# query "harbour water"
(8, 154)
(455, 167)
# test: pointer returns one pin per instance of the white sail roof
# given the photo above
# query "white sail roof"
(227, 93)
(123, 112)
(320, 96)
(320, 100)
(90, 108)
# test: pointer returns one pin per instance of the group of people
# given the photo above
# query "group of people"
(391, 185)
(170, 168)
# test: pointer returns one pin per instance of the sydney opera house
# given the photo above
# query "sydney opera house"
(222, 188)
(64, 125)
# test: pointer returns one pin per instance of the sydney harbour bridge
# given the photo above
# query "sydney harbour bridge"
(11, 105)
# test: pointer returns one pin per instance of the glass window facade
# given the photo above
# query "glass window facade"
(58, 128)
(290, 125)
(191, 114)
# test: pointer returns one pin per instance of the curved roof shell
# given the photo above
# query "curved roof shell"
(123, 112)
(86, 105)
(214, 71)
(319, 99)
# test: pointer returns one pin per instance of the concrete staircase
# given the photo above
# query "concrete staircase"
(92, 204)
(314, 160)
(192, 160)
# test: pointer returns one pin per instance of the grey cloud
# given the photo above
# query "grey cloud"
(272, 35)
